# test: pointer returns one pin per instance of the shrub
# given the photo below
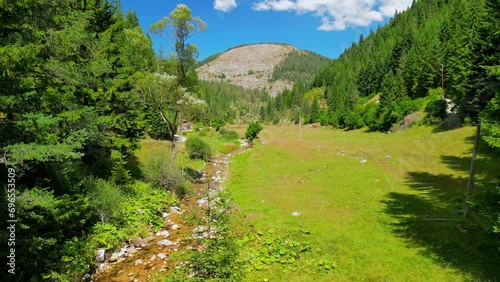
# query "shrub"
(105, 198)
(353, 120)
(253, 130)
(228, 134)
(159, 171)
(198, 149)
(217, 123)
(436, 110)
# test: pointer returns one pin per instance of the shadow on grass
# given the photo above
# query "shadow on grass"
(436, 197)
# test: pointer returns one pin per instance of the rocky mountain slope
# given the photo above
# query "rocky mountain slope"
(254, 66)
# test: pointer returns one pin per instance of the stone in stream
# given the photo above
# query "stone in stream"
(101, 255)
(103, 267)
(131, 250)
(165, 243)
(162, 256)
(175, 227)
(153, 258)
(139, 243)
(176, 210)
(123, 251)
(165, 214)
(202, 202)
(163, 233)
(139, 261)
(114, 257)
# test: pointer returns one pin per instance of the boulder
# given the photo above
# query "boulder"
(139, 243)
(101, 255)
(163, 233)
(165, 243)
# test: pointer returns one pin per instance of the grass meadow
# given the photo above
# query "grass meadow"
(372, 203)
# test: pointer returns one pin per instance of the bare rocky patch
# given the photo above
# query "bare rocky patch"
(249, 66)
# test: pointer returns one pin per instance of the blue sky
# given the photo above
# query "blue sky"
(326, 27)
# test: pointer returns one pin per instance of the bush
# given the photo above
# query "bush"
(198, 149)
(228, 134)
(217, 123)
(353, 120)
(105, 198)
(436, 110)
(159, 171)
(254, 128)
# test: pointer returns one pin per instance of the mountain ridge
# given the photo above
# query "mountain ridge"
(255, 66)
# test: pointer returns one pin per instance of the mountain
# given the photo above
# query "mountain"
(268, 66)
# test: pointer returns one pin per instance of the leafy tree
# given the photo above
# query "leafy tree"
(217, 123)
(253, 130)
(198, 149)
(180, 25)
(171, 102)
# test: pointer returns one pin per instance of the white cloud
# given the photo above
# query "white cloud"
(338, 14)
(225, 5)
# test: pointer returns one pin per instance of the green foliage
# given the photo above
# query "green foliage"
(198, 149)
(275, 250)
(179, 26)
(228, 134)
(105, 198)
(298, 65)
(436, 110)
(491, 122)
(219, 258)
(159, 170)
(207, 60)
(230, 103)
(314, 114)
(253, 130)
(353, 120)
(217, 123)
(402, 61)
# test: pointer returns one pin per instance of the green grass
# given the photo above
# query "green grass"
(219, 145)
(370, 218)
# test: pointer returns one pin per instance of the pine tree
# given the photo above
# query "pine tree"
(314, 114)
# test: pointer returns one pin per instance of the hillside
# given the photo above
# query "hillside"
(270, 67)
(403, 62)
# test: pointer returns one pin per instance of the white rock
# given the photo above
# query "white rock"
(101, 255)
(123, 251)
(164, 243)
(296, 213)
(202, 202)
(139, 261)
(175, 227)
(163, 233)
(165, 214)
(153, 258)
(176, 210)
(162, 255)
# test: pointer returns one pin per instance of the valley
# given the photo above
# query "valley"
(134, 148)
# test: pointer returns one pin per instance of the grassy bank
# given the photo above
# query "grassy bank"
(367, 201)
